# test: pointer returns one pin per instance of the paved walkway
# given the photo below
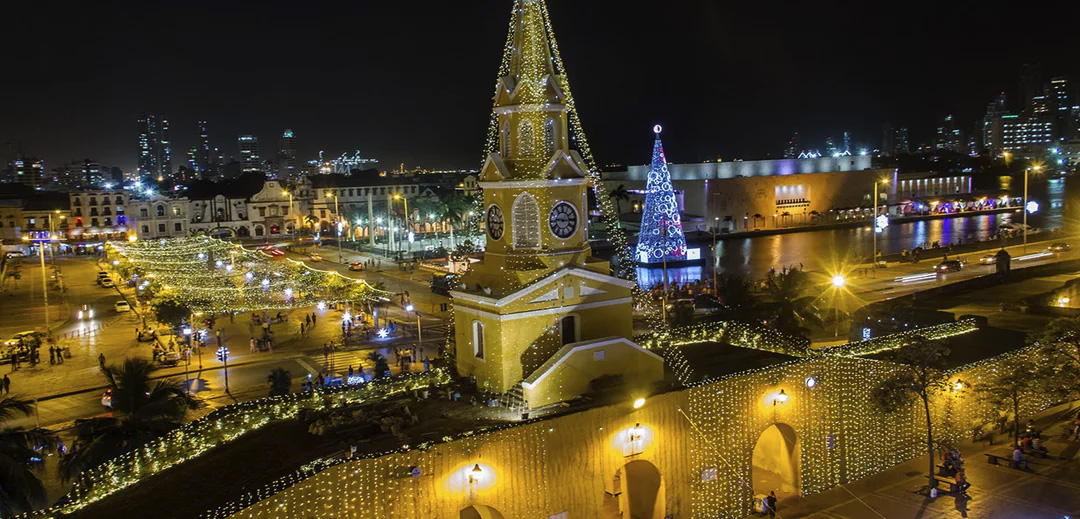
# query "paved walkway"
(1049, 490)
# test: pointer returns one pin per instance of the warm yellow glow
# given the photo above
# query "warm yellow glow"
(26, 238)
(838, 280)
(132, 238)
(1062, 301)
(397, 196)
(884, 181)
(639, 403)
(958, 386)
(1036, 167)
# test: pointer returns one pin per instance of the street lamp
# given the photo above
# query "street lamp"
(873, 220)
(838, 282)
(419, 332)
(398, 196)
(337, 222)
(291, 215)
(716, 225)
(1036, 168)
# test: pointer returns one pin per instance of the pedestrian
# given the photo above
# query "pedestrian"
(251, 345)
(52, 356)
(350, 371)
(101, 360)
(138, 334)
(1018, 460)
(314, 318)
(770, 504)
(301, 329)
(7, 385)
(962, 483)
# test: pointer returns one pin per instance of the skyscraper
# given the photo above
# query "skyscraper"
(249, 154)
(204, 148)
(949, 136)
(901, 141)
(992, 127)
(155, 154)
(1031, 85)
(792, 149)
(1059, 92)
(847, 144)
(286, 166)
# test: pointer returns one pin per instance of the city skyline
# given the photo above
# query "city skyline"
(325, 79)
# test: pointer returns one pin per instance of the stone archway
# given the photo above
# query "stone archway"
(641, 491)
(480, 512)
(776, 462)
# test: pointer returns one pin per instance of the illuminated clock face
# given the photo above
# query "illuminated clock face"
(495, 222)
(563, 220)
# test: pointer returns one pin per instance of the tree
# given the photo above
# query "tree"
(919, 376)
(734, 291)
(1009, 385)
(619, 195)
(145, 410)
(20, 488)
(171, 312)
(381, 365)
(280, 381)
(1060, 341)
(791, 307)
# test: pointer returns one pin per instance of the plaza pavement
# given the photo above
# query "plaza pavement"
(1049, 490)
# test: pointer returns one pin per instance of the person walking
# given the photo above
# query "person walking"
(770, 504)
(101, 360)
(314, 318)
(7, 385)
(962, 483)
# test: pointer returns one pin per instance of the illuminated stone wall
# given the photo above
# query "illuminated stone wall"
(700, 441)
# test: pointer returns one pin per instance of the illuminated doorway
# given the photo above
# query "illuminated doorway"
(776, 462)
(480, 512)
(640, 491)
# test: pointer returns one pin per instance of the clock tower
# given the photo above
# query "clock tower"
(538, 305)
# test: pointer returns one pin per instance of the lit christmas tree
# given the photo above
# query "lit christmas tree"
(661, 229)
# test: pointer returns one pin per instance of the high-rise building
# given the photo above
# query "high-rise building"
(1059, 92)
(286, 167)
(28, 171)
(249, 154)
(1031, 85)
(791, 151)
(193, 155)
(830, 147)
(901, 146)
(1026, 132)
(993, 136)
(847, 144)
(155, 153)
(204, 148)
(949, 137)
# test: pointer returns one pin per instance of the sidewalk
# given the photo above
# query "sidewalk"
(1049, 490)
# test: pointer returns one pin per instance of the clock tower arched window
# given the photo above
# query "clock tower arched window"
(549, 137)
(505, 139)
(526, 222)
(526, 139)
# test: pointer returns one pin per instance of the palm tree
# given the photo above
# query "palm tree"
(619, 194)
(20, 489)
(734, 292)
(791, 306)
(145, 410)
(280, 381)
(381, 365)
(756, 217)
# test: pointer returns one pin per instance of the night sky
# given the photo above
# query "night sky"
(412, 81)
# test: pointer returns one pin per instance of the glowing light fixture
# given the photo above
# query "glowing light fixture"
(639, 403)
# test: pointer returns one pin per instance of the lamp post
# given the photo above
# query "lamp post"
(337, 223)
(1035, 167)
(406, 201)
(838, 282)
(716, 224)
(291, 215)
(873, 221)
(223, 356)
(44, 282)
(419, 331)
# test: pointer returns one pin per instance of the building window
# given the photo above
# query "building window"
(145, 229)
(525, 222)
(262, 212)
(478, 339)
(322, 213)
(506, 139)
(93, 222)
(160, 227)
(176, 210)
(526, 139)
(177, 227)
(161, 210)
(106, 211)
(549, 137)
(119, 200)
(284, 210)
(350, 192)
(93, 211)
(142, 212)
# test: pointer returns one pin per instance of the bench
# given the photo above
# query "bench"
(944, 479)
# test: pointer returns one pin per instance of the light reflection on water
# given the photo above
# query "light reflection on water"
(753, 256)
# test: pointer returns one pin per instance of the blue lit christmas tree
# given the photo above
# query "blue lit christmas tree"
(661, 229)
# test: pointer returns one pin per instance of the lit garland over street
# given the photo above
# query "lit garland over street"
(211, 275)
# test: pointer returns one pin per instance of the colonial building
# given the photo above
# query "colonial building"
(160, 217)
(539, 313)
(99, 215)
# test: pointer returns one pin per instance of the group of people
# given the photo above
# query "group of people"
(953, 466)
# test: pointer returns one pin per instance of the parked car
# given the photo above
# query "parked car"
(14, 254)
(315, 258)
(107, 283)
(989, 259)
(106, 399)
(949, 266)
(1059, 247)
(24, 336)
(122, 306)
(357, 266)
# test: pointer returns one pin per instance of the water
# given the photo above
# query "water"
(754, 256)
